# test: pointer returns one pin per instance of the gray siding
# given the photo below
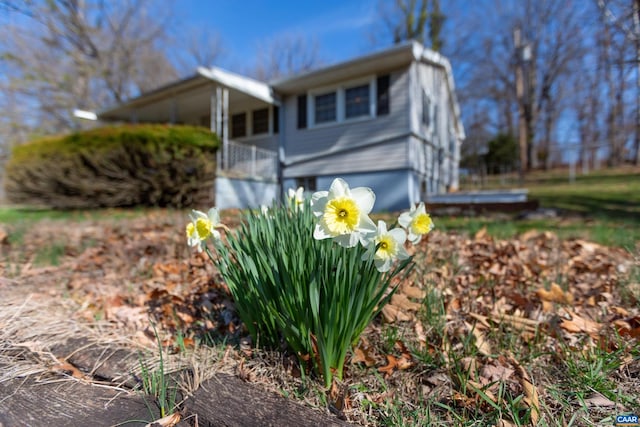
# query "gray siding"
(244, 193)
(334, 138)
(381, 156)
(434, 157)
(394, 189)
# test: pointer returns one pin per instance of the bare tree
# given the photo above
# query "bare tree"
(62, 54)
(621, 25)
(198, 47)
(284, 56)
(404, 20)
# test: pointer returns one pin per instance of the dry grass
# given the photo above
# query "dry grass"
(475, 321)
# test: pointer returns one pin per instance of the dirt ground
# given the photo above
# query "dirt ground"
(73, 294)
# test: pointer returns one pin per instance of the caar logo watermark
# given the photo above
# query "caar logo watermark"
(627, 420)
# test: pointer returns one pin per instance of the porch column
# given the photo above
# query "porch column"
(225, 125)
(218, 97)
(212, 112)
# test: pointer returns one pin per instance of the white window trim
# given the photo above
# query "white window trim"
(340, 91)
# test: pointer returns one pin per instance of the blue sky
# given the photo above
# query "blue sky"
(342, 28)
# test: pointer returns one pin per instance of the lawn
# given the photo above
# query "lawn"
(500, 322)
(603, 206)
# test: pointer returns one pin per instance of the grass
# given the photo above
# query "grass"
(14, 216)
(602, 206)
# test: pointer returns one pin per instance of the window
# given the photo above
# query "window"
(306, 182)
(357, 101)
(238, 125)
(325, 108)
(382, 95)
(260, 121)
(426, 109)
(276, 119)
(452, 143)
(302, 111)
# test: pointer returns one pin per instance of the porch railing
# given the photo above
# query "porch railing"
(247, 161)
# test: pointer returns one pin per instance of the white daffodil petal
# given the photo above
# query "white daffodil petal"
(347, 240)
(319, 202)
(399, 235)
(402, 253)
(320, 232)
(383, 265)
(364, 197)
(339, 188)
(213, 216)
(404, 219)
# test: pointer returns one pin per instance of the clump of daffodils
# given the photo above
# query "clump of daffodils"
(343, 215)
(311, 272)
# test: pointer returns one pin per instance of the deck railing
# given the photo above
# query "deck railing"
(247, 161)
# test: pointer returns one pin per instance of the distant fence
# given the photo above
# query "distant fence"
(564, 158)
(247, 161)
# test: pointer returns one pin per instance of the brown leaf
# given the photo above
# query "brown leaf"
(496, 372)
(555, 294)
(363, 355)
(168, 421)
(529, 390)
(481, 234)
(392, 313)
(580, 324)
(413, 292)
(481, 342)
(68, 369)
(599, 401)
(392, 363)
(401, 301)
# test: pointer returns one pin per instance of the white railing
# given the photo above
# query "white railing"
(247, 161)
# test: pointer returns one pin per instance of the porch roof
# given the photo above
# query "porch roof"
(189, 96)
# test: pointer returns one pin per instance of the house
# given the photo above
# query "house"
(387, 120)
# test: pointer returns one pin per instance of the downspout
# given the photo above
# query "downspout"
(281, 149)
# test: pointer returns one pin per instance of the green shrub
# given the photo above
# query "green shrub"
(152, 165)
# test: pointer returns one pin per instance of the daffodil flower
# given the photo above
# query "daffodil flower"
(343, 214)
(386, 247)
(296, 198)
(202, 226)
(417, 222)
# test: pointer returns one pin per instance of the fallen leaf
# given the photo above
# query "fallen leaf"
(392, 313)
(168, 421)
(529, 390)
(481, 342)
(496, 372)
(579, 324)
(481, 234)
(363, 355)
(413, 292)
(555, 294)
(391, 365)
(68, 369)
(401, 301)
(599, 401)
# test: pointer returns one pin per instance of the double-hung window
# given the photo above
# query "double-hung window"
(357, 101)
(238, 125)
(354, 100)
(260, 121)
(325, 108)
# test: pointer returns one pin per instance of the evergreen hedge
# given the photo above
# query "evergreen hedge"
(149, 165)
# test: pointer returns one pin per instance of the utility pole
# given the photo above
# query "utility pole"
(636, 31)
(522, 122)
